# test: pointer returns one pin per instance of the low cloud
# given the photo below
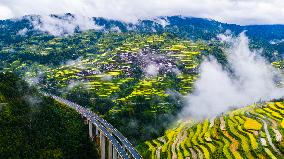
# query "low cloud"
(106, 77)
(276, 41)
(33, 100)
(23, 32)
(162, 21)
(226, 37)
(78, 63)
(33, 76)
(152, 70)
(115, 29)
(250, 79)
(64, 24)
(74, 84)
(230, 11)
(176, 71)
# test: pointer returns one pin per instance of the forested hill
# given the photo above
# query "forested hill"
(269, 37)
(36, 127)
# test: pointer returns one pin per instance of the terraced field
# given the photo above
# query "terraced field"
(149, 65)
(138, 82)
(126, 76)
(278, 64)
(252, 132)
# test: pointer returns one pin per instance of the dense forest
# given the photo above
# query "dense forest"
(33, 126)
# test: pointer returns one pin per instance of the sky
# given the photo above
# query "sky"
(242, 12)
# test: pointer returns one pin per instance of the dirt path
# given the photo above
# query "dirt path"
(200, 154)
(193, 153)
(265, 126)
(174, 145)
(222, 124)
(158, 150)
(278, 135)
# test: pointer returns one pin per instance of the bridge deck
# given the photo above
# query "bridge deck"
(120, 143)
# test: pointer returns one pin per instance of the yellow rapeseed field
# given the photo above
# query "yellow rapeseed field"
(251, 124)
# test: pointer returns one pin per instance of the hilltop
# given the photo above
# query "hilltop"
(269, 37)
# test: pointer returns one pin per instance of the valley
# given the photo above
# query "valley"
(138, 83)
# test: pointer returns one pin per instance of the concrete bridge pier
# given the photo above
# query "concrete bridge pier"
(91, 130)
(97, 135)
(110, 149)
(103, 145)
(114, 154)
(97, 131)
